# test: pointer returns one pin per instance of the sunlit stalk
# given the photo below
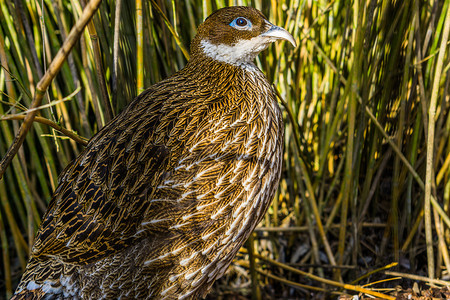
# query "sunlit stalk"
(429, 178)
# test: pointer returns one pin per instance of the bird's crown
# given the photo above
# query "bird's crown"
(235, 35)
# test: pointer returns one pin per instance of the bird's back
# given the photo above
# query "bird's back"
(166, 193)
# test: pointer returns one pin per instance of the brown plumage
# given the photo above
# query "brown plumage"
(163, 197)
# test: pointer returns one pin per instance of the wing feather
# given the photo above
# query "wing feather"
(103, 194)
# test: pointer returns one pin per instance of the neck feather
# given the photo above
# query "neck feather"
(201, 65)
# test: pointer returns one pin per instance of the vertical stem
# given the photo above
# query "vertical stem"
(140, 47)
(256, 293)
(397, 181)
(99, 70)
(116, 50)
(430, 147)
(351, 118)
(72, 66)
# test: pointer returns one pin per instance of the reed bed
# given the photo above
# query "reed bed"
(364, 198)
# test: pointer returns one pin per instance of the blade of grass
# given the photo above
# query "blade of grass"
(429, 177)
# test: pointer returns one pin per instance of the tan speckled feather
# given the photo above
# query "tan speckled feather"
(162, 198)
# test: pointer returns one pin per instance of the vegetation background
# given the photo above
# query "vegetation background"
(365, 190)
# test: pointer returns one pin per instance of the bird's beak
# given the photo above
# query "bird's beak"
(276, 33)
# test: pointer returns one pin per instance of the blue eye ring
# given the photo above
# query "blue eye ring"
(241, 23)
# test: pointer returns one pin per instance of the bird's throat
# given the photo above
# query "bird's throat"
(241, 54)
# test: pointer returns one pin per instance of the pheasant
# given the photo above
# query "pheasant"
(163, 197)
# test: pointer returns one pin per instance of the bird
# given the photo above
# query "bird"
(161, 199)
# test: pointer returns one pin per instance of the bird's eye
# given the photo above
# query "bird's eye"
(241, 23)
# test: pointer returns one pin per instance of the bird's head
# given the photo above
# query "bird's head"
(235, 35)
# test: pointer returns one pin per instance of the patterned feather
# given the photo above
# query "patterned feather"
(163, 197)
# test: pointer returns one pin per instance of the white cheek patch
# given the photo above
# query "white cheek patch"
(242, 53)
